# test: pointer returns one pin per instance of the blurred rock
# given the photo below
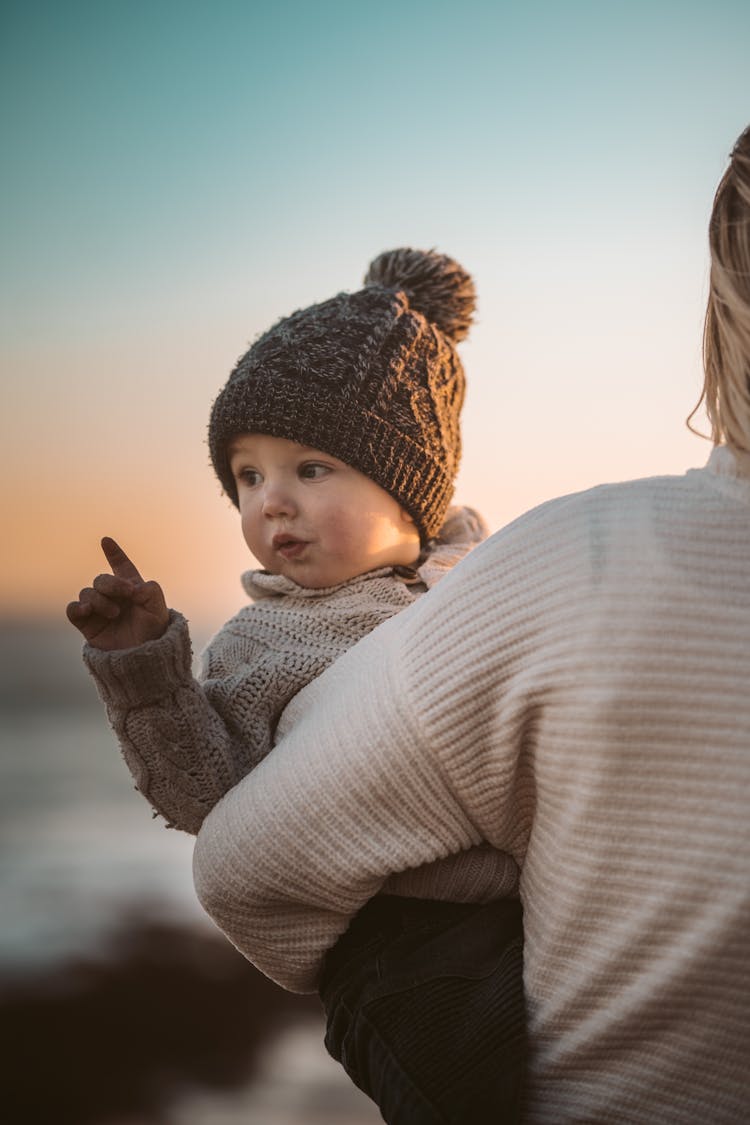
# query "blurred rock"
(118, 1037)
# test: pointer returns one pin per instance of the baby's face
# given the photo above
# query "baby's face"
(307, 515)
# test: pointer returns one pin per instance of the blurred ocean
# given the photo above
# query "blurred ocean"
(78, 847)
(96, 902)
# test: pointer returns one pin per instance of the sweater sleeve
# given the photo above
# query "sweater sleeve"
(177, 735)
(387, 770)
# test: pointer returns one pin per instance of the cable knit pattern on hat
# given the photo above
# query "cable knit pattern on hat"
(371, 377)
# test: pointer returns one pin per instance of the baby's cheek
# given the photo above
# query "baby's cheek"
(347, 532)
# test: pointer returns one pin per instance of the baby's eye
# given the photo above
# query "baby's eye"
(250, 477)
(313, 470)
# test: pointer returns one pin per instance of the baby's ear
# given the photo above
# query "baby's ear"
(406, 517)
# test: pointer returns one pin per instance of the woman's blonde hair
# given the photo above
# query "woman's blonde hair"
(726, 333)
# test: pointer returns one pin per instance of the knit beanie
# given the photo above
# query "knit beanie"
(372, 378)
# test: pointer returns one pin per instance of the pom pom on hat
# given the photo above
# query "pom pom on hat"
(436, 286)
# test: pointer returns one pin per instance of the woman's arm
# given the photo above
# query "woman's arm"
(295, 849)
(387, 768)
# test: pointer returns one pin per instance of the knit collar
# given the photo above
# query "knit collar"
(259, 584)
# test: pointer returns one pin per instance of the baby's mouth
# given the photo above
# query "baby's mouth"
(288, 546)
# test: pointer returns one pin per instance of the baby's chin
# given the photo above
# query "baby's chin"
(308, 569)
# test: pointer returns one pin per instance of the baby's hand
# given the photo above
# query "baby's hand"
(119, 610)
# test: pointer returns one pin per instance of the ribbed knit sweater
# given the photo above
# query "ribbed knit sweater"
(576, 692)
(187, 741)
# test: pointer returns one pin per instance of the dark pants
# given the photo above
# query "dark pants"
(425, 1009)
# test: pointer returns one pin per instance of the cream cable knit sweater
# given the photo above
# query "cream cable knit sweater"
(576, 692)
(187, 742)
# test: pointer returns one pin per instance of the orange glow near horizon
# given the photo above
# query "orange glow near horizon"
(538, 422)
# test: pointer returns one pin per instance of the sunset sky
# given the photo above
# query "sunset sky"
(177, 176)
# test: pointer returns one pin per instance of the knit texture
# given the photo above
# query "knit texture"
(370, 377)
(575, 693)
(187, 742)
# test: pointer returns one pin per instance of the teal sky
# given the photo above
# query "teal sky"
(178, 175)
(162, 146)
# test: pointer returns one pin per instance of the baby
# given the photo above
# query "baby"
(337, 438)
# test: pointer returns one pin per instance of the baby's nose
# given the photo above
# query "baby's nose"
(277, 501)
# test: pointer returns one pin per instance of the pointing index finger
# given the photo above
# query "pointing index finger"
(119, 561)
